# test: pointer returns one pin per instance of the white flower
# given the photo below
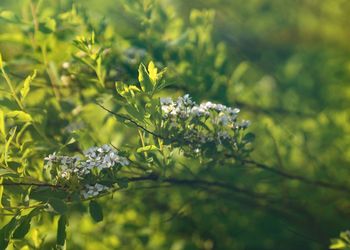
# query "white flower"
(95, 157)
(179, 114)
(51, 158)
(166, 101)
(92, 191)
(65, 65)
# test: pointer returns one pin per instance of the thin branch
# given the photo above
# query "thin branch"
(305, 180)
(130, 120)
(199, 183)
(29, 184)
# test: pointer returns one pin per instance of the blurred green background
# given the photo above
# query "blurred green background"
(286, 64)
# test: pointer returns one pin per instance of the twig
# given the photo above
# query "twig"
(305, 180)
(130, 120)
(29, 184)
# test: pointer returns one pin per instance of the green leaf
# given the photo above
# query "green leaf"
(9, 16)
(337, 244)
(95, 211)
(144, 79)
(147, 148)
(26, 85)
(58, 205)
(19, 116)
(134, 112)
(6, 232)
(61, 231)
(22, 229)
(1, 191)
(153, 72)
(2, 124)
(1, 64)
(7, 173)
(12, 133)
(48, 27)
(24, 226)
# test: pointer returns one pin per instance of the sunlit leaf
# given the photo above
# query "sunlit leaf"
(147, 148)
(144, 79)
(26, 85)
(19, 116)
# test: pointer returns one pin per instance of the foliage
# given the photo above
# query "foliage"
(118, 132)
(343, 242)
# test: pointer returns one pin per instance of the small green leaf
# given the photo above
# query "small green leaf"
(58, 205)
(153, 72)
(61, 231)
(12, 133)
(337, 244)
(144, 79)
(7, 173)
(9, 16)
(22, 229)
(2, 124)
(147, 148)
(6, 232)
(24, 226)
(134, 112)
(26, 85)
(48, 27)
(1, 65)
(19, 116)
(95, 211)
(1, 191)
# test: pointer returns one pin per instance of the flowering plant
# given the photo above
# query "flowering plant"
(111, 129)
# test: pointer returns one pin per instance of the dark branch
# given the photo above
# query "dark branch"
(305, 180)
(130, 120)
(29, 184)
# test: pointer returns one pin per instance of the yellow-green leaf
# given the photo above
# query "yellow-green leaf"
(153, 72)
(147, 148)
(337, 244)
(12, 133)
(144, 79)
(2, 124)
(9, 16)
(1, 191)
(26, 85)
(19, 116)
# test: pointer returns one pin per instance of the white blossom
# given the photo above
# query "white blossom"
(65, 65)
(90, 191)
(104, 157)
(185, 117)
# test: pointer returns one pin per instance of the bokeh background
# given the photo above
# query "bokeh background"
(286, 64)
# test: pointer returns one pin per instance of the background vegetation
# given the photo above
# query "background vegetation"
(285, 64)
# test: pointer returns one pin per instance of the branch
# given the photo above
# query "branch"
(305, 180)
(29, 184)
(200, 183)
(130, 120)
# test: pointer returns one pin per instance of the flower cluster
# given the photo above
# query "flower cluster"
(198, 125)
(95, 160)
(93, 190)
